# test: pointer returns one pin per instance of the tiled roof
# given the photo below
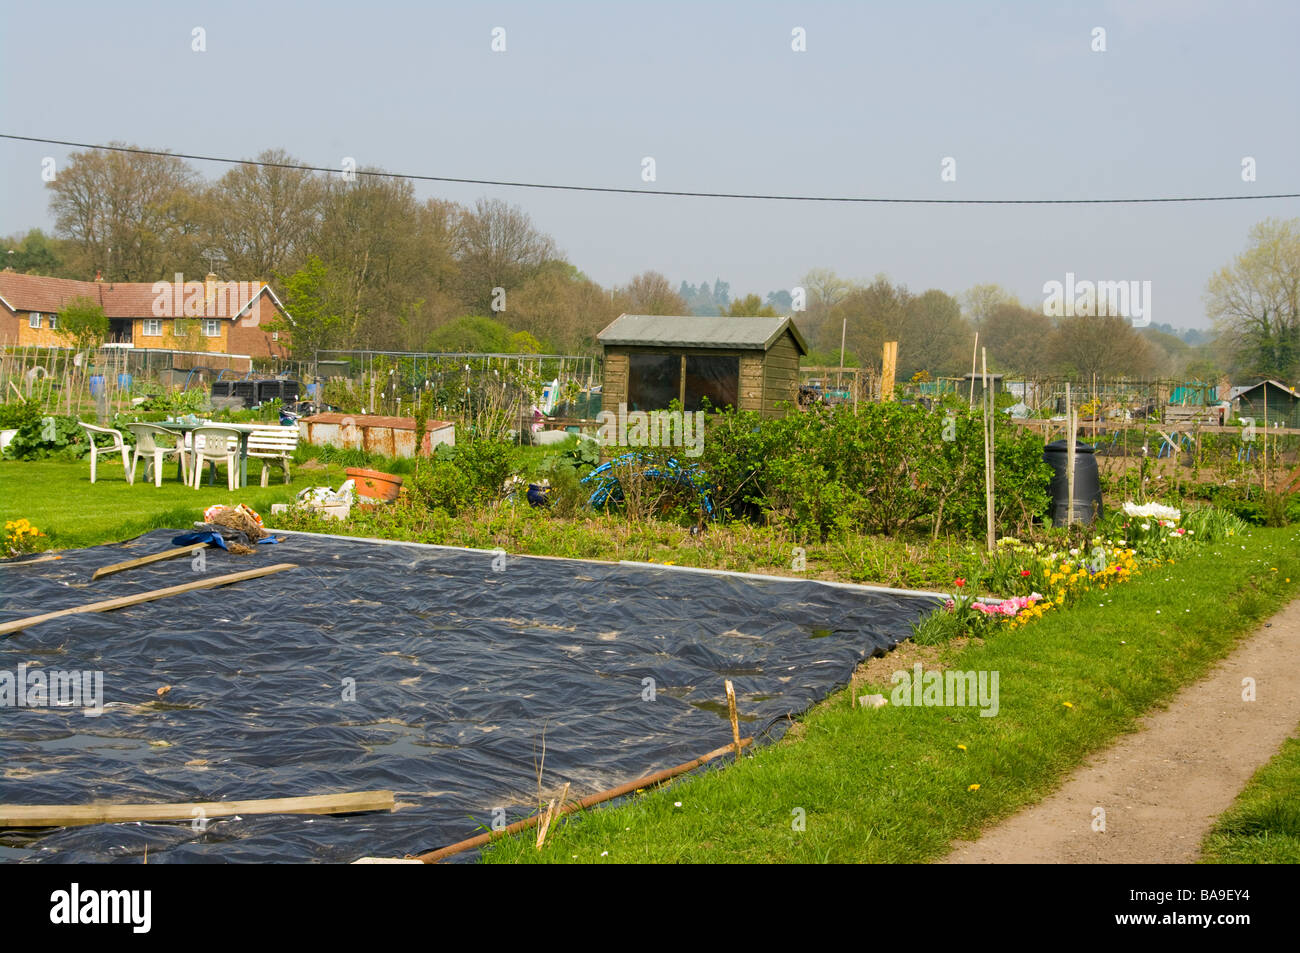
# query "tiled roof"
(119, 299)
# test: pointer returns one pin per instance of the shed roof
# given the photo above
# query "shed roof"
(1288, 391)
(676, 330)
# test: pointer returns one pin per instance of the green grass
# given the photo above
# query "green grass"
(59, 499)
(892, 785)
(1263, 824)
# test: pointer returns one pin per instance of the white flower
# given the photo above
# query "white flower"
(1146, 526)
(677, 803)
(1153, 511)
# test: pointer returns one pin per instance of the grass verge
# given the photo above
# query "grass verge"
(900, 784)
(1263, 824)
(58, 497)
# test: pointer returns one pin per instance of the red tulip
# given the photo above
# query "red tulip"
(959, 582)
(1025, 572)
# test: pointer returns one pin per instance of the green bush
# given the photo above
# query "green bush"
(41, 436)
(889, 468)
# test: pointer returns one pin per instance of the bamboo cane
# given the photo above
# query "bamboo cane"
(659, 777)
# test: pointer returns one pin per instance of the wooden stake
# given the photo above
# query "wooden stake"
(731, 713)
(17, 625)
(988, 454)
(974, 354)
(79, 815)
(1069, 456)
(551, 814)
(145, 560)
(649, 781)
(888, 366)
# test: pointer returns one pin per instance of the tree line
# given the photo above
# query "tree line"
(362, 262)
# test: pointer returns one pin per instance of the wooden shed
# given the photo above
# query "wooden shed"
(747, 363)
(1270, 401)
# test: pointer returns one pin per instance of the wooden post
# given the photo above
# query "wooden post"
(975, 351)
(1071, 422)
(1265, 456)
(888, 365)
(735, 720)
(991, 541)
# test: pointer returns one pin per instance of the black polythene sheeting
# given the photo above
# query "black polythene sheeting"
(458, 670)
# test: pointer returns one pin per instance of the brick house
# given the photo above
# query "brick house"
(230, 317)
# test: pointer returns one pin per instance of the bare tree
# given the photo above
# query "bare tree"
(650, 293)
(131, 216)
(262, 219)
(498, 247)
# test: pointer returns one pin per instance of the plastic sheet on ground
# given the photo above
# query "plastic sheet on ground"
(421, 670)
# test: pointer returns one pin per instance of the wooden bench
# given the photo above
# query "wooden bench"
(273, 445)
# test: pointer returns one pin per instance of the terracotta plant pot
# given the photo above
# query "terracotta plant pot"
(375, 485)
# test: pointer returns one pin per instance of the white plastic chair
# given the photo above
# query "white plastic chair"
(119, 446)
(213, 445)
(158, 443)
(273, 445)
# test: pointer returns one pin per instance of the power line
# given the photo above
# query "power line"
(662, 192)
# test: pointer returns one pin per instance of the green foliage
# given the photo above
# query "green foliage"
(472, 472)
(888, 469)
(178, 402)
(316, 321)
(42, 436)
(472, 334)
(83, 323)
(1211, 524)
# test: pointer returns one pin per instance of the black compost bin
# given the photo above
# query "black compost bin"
(1087, 482)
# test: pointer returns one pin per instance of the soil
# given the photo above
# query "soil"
(1163, 787)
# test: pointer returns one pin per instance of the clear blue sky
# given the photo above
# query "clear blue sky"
(714, 92)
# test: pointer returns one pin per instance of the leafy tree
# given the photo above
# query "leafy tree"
(471, 333)
(750, 306)
(83, 323)
(1255, 302)
(310, 301)
(780, 301)
(33, 254)
(979, 302)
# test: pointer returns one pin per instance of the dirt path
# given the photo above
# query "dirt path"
(1162, 787)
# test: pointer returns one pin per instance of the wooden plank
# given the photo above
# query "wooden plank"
(79, 815)
(146, 560)
(889, 362)
(17, 625)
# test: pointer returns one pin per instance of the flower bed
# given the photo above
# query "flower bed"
(1136, 537)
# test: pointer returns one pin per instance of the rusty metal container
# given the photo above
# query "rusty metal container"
(389, 436)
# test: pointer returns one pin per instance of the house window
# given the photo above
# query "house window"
(212, 327)
(152, 327)
(54, 322)
(714, 377)
(34, 320)
(653, 381)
